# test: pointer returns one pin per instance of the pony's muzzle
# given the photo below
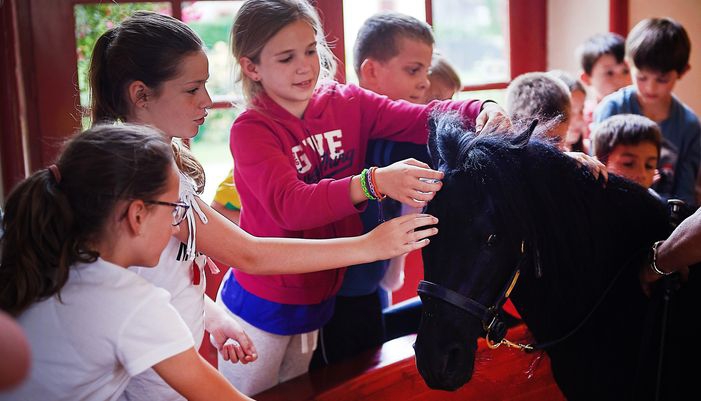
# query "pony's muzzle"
(443, 368)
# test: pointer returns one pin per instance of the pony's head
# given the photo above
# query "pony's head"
(511, 201)
(469, 266)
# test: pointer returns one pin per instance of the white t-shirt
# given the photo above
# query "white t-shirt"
(108, 326)
(174, 273)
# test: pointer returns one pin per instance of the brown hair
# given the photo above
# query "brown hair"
(599, 45)
(442, 69)
(379, 35)
(624, 129)
(572, 83)
(537, 95)
(145, 47)
(49, 222)
(259, 20)
(659, 44)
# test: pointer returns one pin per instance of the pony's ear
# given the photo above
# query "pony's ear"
(445, 133)
(521, 140)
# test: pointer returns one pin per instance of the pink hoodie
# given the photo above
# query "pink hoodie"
(293, 175)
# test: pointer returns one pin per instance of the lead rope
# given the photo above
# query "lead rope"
(548, 344)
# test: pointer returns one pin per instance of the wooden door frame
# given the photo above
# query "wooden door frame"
(14, 121)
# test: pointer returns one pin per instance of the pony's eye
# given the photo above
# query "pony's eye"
(492, 240)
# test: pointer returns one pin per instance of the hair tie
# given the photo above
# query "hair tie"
(55, 172)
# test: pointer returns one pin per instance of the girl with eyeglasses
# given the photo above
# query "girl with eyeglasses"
(151, 69)
(71, 232)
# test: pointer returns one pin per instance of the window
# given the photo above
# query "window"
(473, 35)
(488, 41)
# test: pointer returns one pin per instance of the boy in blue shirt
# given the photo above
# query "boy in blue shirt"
(657, 51)
(393, 54)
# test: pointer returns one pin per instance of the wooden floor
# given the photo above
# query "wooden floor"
(389, 373)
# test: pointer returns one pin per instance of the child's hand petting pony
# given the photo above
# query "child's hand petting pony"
(493, 117)
(409, 181)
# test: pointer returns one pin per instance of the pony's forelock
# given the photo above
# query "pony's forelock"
(454, 147)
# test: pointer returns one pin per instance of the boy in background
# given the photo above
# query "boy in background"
(445, 81)
(629, 145)
(604, 71)
(403, 318)
(657, 50)
(392, 56)
(537, 95)
(578, 129)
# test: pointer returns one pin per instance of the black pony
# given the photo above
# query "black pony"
(511, 203)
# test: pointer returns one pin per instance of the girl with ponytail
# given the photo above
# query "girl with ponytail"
(70, 233)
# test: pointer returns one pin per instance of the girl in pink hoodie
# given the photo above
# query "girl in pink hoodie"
(299, 152)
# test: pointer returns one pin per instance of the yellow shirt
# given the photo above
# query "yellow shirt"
(227, 195)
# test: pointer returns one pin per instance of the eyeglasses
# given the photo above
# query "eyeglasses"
(179, 209)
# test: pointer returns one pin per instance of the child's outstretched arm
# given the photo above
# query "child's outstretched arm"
(195, 379)
(226, 242)
(227, 335)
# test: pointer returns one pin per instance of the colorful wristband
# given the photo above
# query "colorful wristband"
(368, 180)
(379, 195)
(364, 185)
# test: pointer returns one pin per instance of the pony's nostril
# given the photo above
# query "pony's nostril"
(453, 360)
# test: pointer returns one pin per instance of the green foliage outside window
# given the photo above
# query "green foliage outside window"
(91, 21)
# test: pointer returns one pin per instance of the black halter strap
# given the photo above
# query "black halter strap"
(489, 315)
(494, 328)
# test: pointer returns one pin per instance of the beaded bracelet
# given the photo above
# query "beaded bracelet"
(364, 185)
(380, 196)
(368, 180)
(653, 262)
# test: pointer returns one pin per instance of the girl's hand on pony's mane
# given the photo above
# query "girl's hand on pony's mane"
(409, 181)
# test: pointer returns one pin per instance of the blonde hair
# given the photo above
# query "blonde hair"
(259, 20)
(442, 69)
(188, 164)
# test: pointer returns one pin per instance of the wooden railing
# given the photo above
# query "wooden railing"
(389, 373)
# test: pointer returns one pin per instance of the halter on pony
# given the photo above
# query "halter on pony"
(491, 322)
